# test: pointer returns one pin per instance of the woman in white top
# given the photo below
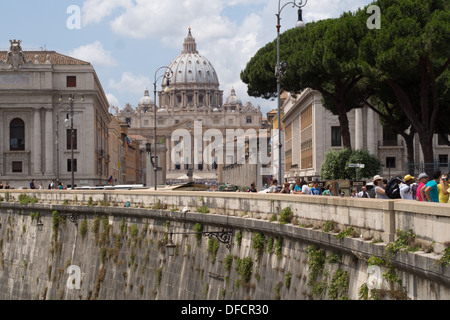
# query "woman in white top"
(379, 191)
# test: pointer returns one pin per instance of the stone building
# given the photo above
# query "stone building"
(311, 130)
(41, 92)
(190, 101)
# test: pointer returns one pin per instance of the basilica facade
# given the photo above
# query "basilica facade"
(190, 101)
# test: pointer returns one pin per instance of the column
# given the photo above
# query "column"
(372, 144)
(37, 143)
(49, 143)
(359, 132)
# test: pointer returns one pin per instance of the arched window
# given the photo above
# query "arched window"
(17, 135)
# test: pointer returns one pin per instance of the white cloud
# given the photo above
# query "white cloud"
(95, 54)
(113, 101)
(225, 35)
(94, 11)
(130, 83)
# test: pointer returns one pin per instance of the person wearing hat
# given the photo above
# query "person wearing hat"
(423, 179)
(379, 191)
(405, 187)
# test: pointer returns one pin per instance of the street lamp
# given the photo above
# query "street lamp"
(223, 237)
(167, 76)
(281, 68)
(68, 123)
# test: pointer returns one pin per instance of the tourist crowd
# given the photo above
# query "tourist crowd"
(428, 189)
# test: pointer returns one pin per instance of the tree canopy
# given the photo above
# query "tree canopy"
(411, 53)
(336, 164)
(344, 60)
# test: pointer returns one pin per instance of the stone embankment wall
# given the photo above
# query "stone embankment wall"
(332, 248)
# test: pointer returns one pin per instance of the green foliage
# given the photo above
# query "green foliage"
(134, 230)
(405, 241)
(363, 292)
(286, 215)
(198, 228)
(258, 243)
(203, 209)
(336, 164)
(158, 277)
(287, 280)
(278, 247)
(228, 262)
(349, 232)
(238, 238)
(445, 260)
(90, 201)
(34, 215)
(83, 228)
(329, 226)
(270, 245)
(338, 289)
(244, 269)
(25, 199)
(213, 247)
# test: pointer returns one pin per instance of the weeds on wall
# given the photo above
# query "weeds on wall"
(318, 276)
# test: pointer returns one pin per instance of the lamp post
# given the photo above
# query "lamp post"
(223, 237)
(167, 75)
(280, 68)
(68, 123)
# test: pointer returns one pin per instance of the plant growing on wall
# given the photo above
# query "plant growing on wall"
(213, 247)
(286, 215)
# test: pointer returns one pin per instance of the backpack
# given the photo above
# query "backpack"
(393, 189)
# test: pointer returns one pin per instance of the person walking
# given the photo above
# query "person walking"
(7, 186)
(443, 188)
(379, 191)
(33, 184)
(423, 179)
(405, 187)
(1, 185)
(430, 191)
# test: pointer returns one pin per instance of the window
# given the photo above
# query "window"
(390, 162)
(69, 165)
(69, 140)
(336, 137)
(443, 160)
(17, 135)
(17, 166)
(230, 121)
(200, 166)
(389, 137)
(128, 121)
(441, 140)
(249, 119)
(71, 81)
(200, 99)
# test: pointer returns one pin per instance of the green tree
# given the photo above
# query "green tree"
(336, 164)
(411, 53)
(323, 56)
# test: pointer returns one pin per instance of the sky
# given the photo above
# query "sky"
(126, 41)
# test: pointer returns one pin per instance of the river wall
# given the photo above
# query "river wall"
(91, 245)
